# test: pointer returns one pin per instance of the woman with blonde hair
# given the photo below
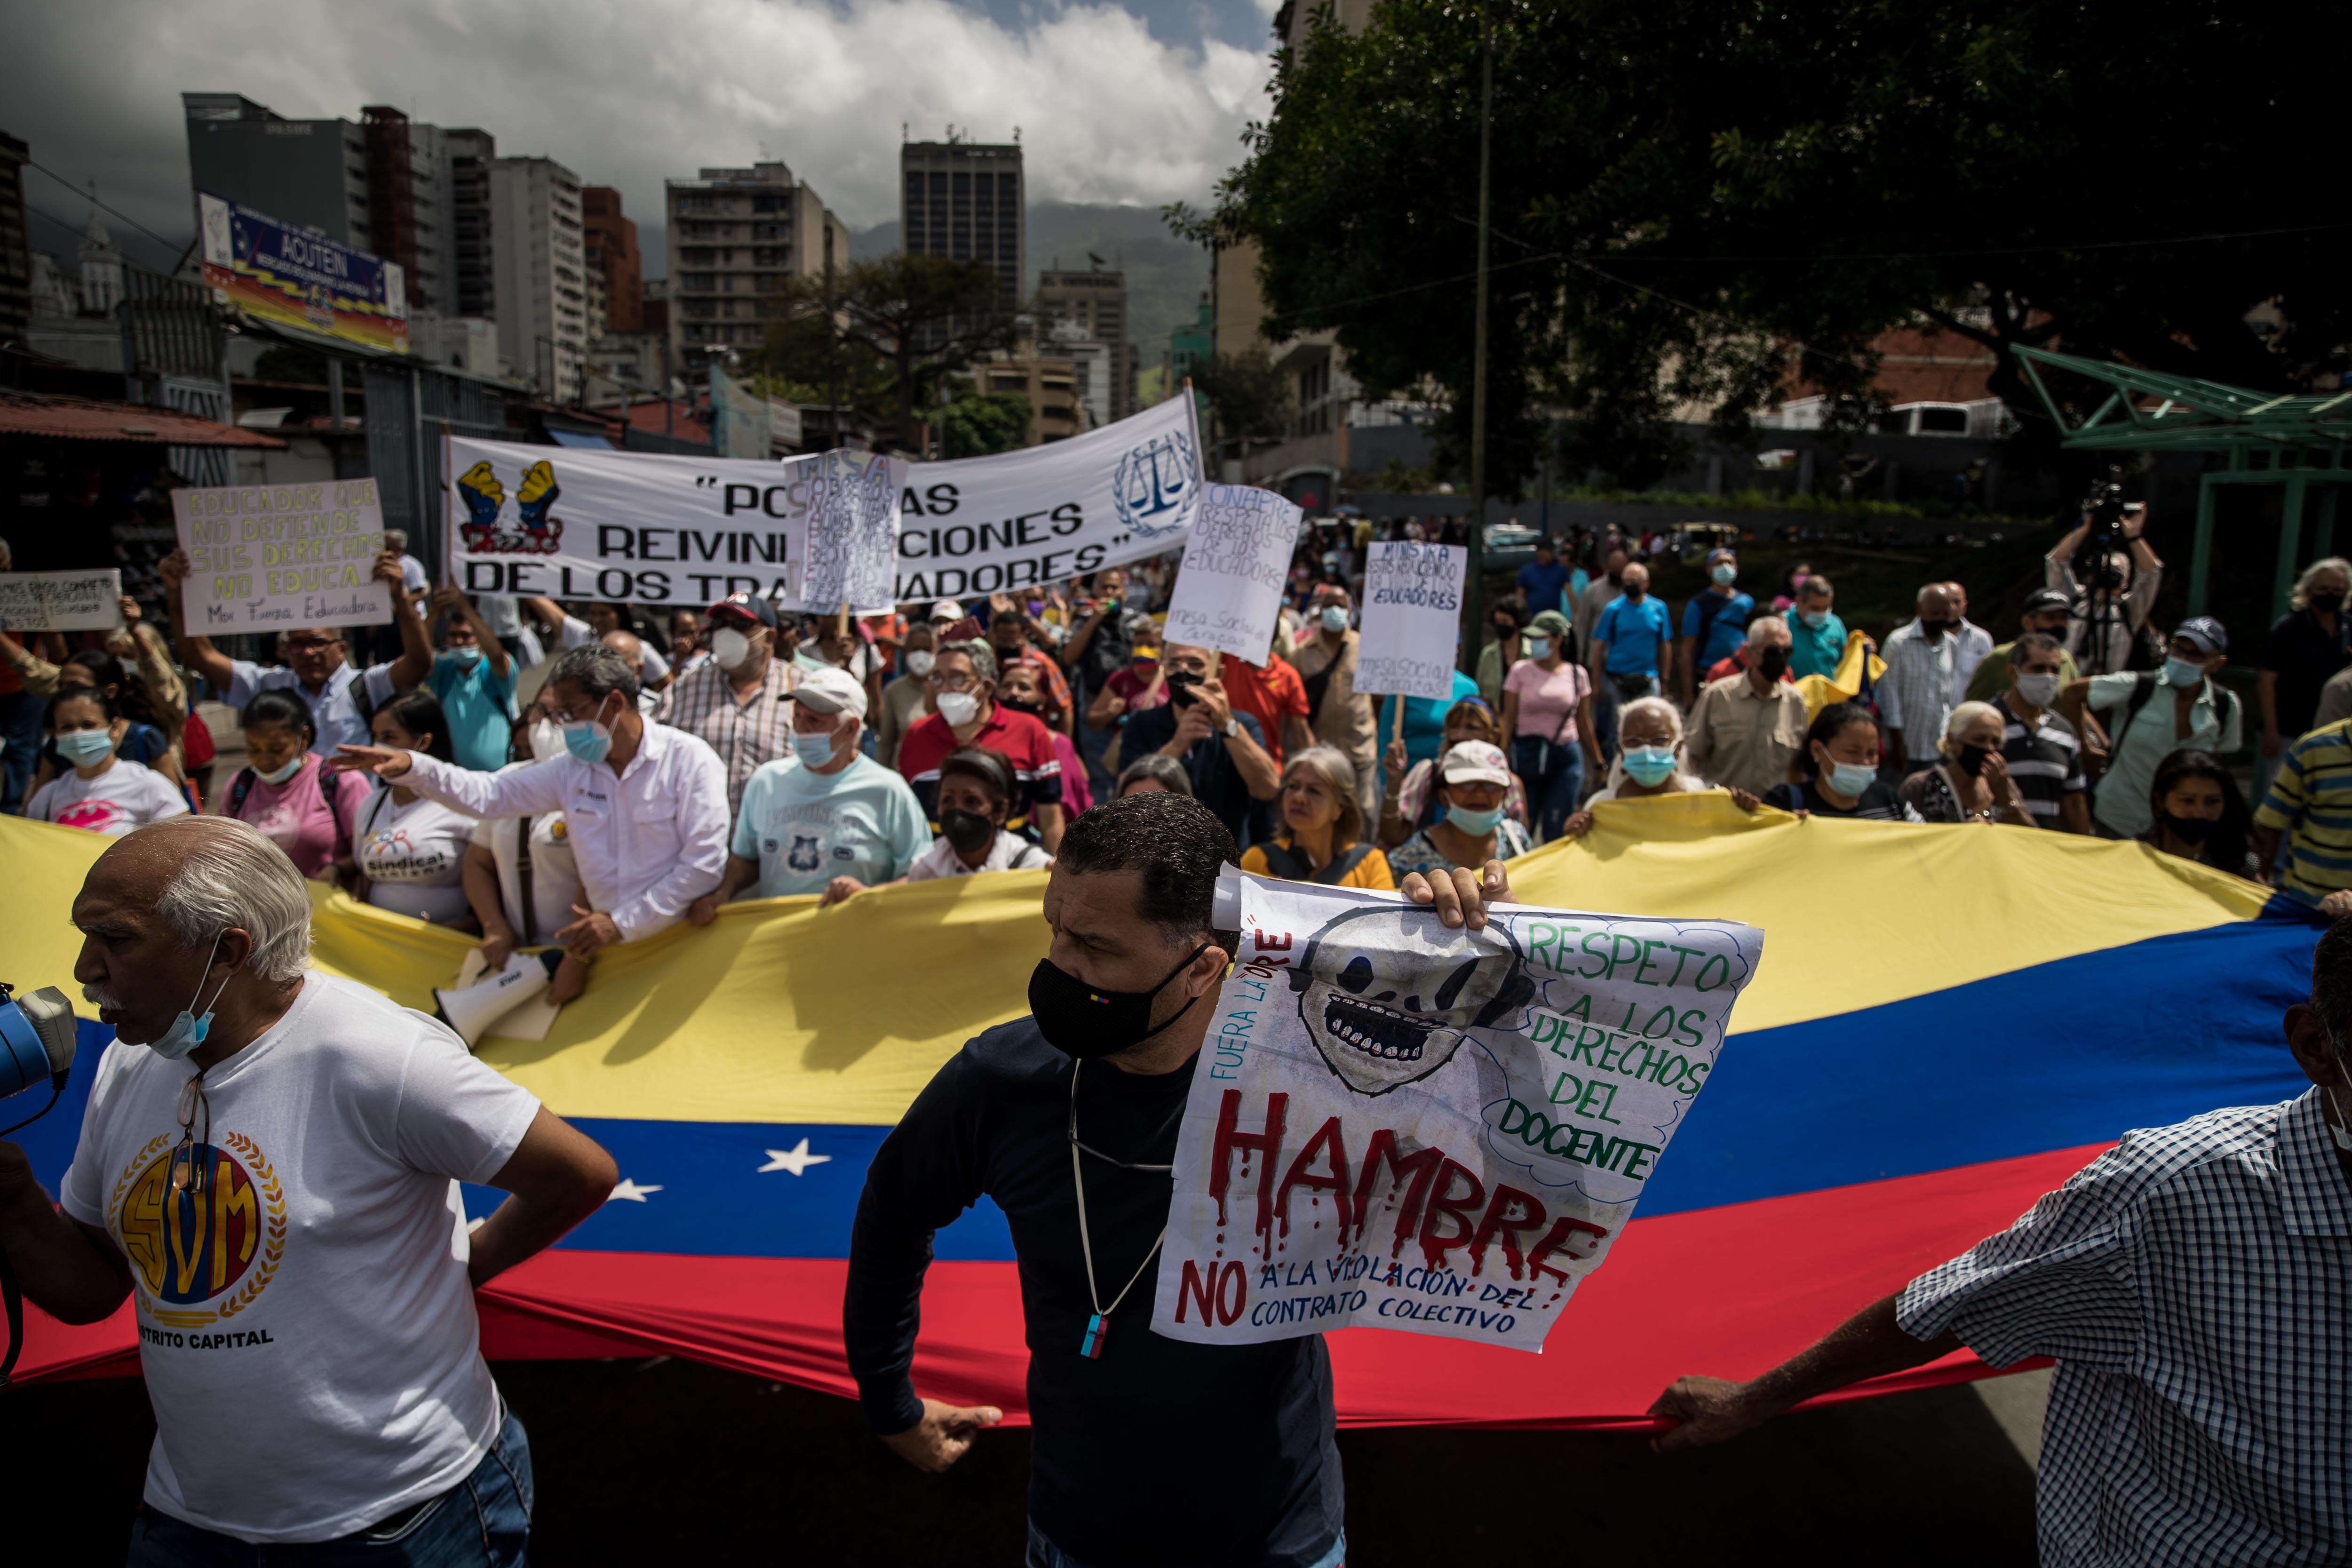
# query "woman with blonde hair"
(1971, 784)
(1322, 835)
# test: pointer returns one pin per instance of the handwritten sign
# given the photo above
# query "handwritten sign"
(853, 533)
(61, 601)
(1399, 1126)
(1229, 592)
(274, 557)
(1412, 618)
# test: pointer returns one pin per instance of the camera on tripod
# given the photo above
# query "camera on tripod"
(2104, 513)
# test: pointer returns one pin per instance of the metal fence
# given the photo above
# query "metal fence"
(409, 409)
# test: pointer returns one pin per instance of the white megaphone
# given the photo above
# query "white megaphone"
(473, 1009)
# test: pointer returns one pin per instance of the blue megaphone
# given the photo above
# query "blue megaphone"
(37, 1041)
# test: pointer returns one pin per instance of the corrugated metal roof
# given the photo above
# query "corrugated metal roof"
(87, 419)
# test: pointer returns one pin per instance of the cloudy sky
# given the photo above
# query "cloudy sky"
(1138, 102)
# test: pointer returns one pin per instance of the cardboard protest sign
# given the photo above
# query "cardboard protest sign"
(267, 558)
(1412, 618)
(853, 533)
(1229, 592)
(61, 601)
(1400, 1126)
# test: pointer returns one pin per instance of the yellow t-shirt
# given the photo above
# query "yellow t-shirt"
(1371, 871)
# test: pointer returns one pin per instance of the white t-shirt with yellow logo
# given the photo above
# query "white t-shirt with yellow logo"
(305, 1322)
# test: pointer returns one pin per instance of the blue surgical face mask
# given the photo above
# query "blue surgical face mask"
(1477, 824)
(588, 741)
(816, 750)
(2179, 671)
(1850, 779)
(85, 748)
(466, 657)
(1540, 648)
(1814, 617)
(1649, 766)
(1334, 619)
(1724, 575)
(279, 776)
(188, 1031)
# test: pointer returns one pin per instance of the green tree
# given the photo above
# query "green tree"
(1248, 397)
(888, 332)
(977, 424)
(1697, 203)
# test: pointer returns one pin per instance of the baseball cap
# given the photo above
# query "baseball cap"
(1475, 762)
(829, 690)
(2043, 599)
(750, 604)
(2206, 633)
(947, 610)
(1551, 623)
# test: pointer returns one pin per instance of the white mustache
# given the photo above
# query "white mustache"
(102, 996)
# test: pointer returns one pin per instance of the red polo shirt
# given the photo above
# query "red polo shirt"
(1019, 739)
(1266, 692)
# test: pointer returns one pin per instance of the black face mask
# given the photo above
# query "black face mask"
(1019, 706)
(1972, 759)
(2325, 604)
(1180, 687)
(2188, 830)
(968, 831)
(1080, 1021)
(1933, 628)
(1772, 663)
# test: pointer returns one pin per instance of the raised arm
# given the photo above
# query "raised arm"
(448, 597)
(518, 792)
(415, 661)
(196, 652)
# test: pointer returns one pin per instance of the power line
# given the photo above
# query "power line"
(92, 196)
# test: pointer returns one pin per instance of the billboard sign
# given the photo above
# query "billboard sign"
(301, 278)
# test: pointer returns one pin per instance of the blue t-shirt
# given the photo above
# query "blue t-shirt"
(480, 709)
(1814, 650)
(1725, 632)
(806, 828)
(1632, 630)
(1542, 585)
(1424, 721)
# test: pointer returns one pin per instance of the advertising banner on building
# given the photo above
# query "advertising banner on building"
(1236, 558)
(270, 558)
(83, 601)
(295, 277)
(1412, 618)
(644, 528)
(1399, 1126)
(985, 525)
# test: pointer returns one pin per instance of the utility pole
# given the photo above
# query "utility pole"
(1473, 599)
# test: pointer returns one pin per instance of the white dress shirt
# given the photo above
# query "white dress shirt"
(647, 843)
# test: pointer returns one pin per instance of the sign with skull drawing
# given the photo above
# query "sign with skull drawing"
(1400, 1126)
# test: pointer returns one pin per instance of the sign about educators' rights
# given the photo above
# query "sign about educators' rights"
(1229, 592)
(1400, 1126)
(61, 601)
(1412, 618)
(267, 558)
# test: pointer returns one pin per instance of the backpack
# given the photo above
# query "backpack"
(2144, 685)
(242, 785)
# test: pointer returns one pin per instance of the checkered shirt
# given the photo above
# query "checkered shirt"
(1914, 695)
(745, 735)
(2195, 1286)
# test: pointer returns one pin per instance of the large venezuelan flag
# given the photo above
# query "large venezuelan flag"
(1948, 1021)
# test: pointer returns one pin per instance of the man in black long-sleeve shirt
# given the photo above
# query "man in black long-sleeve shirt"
(1150, 1451)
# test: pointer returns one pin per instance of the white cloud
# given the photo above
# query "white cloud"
(625, 92)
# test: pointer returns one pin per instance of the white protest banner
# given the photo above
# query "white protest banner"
(61, 601)
(853, 533)
(273, 557)
(1412, 618)
(984, 525)
(1236, 563)
(1400, 1126)
(625, 527)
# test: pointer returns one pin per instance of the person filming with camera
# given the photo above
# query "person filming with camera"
(2109, 591)
(268, 1167)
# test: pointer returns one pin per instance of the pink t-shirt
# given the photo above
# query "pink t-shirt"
(294, 817)
(1547, 699)
(1077, 796)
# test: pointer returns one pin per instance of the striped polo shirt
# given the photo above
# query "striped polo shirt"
(2046, 761)
(2311, 801)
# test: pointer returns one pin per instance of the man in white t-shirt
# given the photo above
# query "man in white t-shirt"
(269, 1166)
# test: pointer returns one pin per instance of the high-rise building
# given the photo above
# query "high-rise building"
(543, 272)
(612, 245)
(15, 243)
(473, 258)
(735, 235)
(966, 200)
(1095, 304)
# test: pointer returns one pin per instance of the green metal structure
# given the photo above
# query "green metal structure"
(2300, 442)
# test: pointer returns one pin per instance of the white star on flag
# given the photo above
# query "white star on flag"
(796, 1159)
(630, 1190)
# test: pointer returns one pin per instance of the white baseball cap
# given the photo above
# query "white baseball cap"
(832, 690)
(1475, 762)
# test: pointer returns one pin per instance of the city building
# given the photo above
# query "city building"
(15, 243)
(473, 243)
(735, 237)
(1051, 385)
(1095, 303)
(541, 279)
(612, 245)
(1094, 382)
(966, 200)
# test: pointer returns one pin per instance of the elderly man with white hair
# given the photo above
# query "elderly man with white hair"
(269, 1165)
(1747, 730)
